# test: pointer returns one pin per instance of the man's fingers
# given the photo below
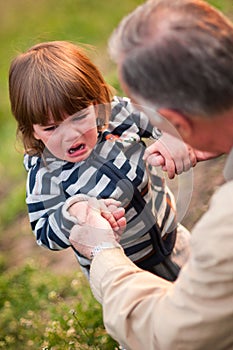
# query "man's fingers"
(192, 156)
(111, 201)
(170, 168)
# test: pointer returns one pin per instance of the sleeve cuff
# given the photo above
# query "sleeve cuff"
(102, 264)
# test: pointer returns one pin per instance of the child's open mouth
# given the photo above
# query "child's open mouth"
(75, 149)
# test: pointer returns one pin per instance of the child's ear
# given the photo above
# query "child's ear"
(36, 136)
(181, 122)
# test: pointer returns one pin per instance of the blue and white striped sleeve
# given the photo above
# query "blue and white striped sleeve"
(48, 209)
(124, 111)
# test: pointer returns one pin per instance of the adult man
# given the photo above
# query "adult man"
(177, 58)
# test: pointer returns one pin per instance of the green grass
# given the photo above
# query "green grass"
(43, 311)
(40, 309)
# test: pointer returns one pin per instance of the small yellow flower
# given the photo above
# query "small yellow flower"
(53, 295)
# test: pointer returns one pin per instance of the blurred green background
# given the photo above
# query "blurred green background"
(45, 302)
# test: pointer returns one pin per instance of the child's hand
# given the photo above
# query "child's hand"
(172, 154)
(111, 211)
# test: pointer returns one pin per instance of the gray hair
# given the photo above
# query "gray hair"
(177, 54)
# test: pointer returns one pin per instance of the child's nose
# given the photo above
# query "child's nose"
(69, 130)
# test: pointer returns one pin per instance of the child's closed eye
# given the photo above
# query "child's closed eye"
(79, 117)
(51, 128)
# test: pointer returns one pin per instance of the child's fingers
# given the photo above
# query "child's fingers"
(117, 212)
(108, 215)
(155, 159)
(122, 225)
(111, 211)
(111, 219)
(121, 228)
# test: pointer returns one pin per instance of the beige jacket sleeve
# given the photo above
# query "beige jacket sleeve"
(142, 311)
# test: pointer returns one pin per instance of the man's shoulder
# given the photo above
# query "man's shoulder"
(224, 196)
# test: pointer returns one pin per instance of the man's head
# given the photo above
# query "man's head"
(177, 56)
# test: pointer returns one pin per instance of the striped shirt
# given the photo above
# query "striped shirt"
(115, 169)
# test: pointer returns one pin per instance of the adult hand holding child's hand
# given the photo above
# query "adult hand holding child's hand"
(95, 230)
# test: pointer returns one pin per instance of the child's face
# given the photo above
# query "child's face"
(73, 139)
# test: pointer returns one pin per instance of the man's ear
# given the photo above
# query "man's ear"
(181, 122)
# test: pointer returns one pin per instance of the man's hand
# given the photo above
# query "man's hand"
(172, 154)
(202, 155)
(110, 209)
